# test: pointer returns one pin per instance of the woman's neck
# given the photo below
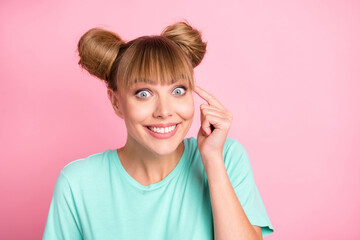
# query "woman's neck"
(145, 166)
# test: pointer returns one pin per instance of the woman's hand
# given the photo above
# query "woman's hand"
(215, 124)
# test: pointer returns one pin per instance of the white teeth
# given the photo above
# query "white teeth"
(162, 130)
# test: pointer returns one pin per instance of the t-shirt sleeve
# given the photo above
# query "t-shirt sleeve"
(62, 221)
(239, 170)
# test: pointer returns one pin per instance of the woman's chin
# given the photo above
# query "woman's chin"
(165, 150)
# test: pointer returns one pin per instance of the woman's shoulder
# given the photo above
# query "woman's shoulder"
(232, 144)
(87, 165)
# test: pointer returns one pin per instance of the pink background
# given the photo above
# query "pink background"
(288, 70)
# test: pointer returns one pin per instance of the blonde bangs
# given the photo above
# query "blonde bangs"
(154, 60)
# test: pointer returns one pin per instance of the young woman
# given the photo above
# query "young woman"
(159, 185)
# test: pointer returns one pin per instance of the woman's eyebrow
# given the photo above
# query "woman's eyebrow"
(149, 81)
(173, 81)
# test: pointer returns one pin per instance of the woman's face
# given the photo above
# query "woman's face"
(158, 117)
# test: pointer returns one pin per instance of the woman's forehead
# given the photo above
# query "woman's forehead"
(155, 81)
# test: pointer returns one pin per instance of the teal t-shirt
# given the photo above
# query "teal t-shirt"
(95, 198)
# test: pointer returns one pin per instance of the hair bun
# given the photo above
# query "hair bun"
(188, 39)
(98, 49)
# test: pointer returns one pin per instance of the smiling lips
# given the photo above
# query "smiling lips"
(162, 131)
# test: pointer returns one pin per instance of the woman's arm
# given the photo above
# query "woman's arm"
(230, 220)
(62, 221)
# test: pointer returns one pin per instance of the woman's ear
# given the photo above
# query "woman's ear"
(114, 99)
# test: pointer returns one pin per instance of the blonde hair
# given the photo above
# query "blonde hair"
(164, 58)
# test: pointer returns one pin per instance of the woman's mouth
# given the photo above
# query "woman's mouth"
(162, 132)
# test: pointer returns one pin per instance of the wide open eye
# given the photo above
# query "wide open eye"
(179, 90)
(142, 93)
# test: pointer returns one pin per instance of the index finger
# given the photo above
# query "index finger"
(210, 99)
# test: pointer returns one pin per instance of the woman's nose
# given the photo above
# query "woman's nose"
(163, 107)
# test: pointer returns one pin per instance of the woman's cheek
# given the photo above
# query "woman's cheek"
(143, 113)
(138, 111)
(186, 108)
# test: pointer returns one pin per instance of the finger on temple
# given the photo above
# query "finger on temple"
(211, 100)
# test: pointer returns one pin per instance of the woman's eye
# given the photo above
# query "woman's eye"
(143, 94)
(179, 91)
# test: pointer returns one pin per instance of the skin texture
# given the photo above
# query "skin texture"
(149, 160)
